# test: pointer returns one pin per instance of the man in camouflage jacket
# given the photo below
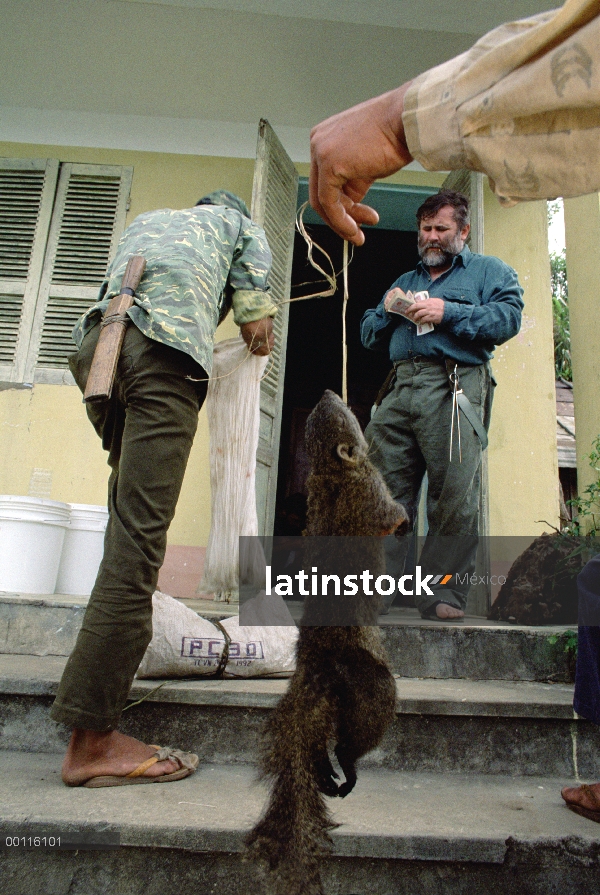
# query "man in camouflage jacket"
(200, 262)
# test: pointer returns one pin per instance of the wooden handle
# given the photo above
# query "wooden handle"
(133, 273)
(114, 323)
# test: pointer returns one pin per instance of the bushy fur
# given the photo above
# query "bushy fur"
(343, 692)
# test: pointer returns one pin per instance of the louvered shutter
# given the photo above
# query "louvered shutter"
(470, 184)
(27, 189)
(88, 218)
(274, 195)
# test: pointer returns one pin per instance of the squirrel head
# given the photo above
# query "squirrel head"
(333, 437)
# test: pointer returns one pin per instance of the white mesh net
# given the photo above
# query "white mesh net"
(233, 407)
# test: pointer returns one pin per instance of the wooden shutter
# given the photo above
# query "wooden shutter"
(88, 218)
(27, 189)
(274, 195)
(470, 184)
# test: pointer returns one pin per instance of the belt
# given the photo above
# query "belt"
(421, 359)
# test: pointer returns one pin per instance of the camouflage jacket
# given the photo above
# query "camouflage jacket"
(200, 262)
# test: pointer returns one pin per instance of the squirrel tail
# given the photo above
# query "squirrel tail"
(293, 834)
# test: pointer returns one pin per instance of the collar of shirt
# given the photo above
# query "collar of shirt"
(463, 258)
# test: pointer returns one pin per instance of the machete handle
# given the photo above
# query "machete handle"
(114, 323)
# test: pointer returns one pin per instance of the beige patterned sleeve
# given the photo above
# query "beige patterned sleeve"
(522, 106)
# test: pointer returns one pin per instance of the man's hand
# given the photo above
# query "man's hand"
(351, 150)
(258, 336)
(392, 296)
(429, 311)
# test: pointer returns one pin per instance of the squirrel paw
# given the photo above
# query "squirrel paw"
(326, 777)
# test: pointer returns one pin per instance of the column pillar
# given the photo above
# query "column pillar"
(582, 235)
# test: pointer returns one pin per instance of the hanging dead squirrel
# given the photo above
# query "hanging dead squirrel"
(342, 691)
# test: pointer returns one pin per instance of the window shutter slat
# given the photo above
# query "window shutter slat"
(27, 188)
(20, 202)
(88, 218)
(86, 229)
(11, 307)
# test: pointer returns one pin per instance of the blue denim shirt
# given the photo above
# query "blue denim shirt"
(482, 309)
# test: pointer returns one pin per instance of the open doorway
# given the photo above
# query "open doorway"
(314, 343)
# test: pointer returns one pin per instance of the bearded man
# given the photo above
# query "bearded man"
(423, 425)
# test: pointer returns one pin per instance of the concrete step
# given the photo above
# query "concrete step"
(452, 726)
(398, 834)
(475, 649)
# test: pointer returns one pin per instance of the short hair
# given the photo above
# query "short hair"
(457, 201)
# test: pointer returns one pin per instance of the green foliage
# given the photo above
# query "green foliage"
(563, 650)
(560, 313)
(565, 642)
(586, 522)
(554, 208)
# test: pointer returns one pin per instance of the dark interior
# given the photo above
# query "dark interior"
(314, 346)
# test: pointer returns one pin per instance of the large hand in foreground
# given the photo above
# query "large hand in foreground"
(258, 336)
(351, 150)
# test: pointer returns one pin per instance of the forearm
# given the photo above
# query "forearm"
(518, 106)
(249, 276)
(495, 322)
(376, 328)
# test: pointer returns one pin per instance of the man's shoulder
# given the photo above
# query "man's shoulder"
(406, 278)
(487, 263)
(154, 214)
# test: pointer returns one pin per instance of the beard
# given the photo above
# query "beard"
(440, 254)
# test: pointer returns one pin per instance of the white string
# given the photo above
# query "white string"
(344, 342)
(225, 375)
(310, 245)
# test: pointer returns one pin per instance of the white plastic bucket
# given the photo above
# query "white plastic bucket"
(82, 549)
(32, 530)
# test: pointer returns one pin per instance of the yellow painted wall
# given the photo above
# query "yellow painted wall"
(46, 427)
(523, 468)
(582, 233)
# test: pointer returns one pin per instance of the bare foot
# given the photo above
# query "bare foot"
(583, 796)
(93, 754)
(443, 610)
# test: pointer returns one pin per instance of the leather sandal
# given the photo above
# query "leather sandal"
(188, 762)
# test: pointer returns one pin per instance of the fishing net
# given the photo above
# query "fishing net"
(233, 419)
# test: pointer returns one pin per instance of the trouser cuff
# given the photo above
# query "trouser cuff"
(75, 717)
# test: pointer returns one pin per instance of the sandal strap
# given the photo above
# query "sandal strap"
(167, 753)
(143, 767)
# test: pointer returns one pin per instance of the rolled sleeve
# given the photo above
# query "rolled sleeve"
(248, 277)
(522, 106)
(249, 306)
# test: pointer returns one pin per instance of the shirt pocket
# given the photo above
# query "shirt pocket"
(461, 296)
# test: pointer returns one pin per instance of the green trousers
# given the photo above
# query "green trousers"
(409, 435)
(147, 427)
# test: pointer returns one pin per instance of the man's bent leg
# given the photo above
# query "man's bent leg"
(453, 482)
(161, 411)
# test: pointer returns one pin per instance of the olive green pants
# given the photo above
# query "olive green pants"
(147, 427)
(409, 436)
